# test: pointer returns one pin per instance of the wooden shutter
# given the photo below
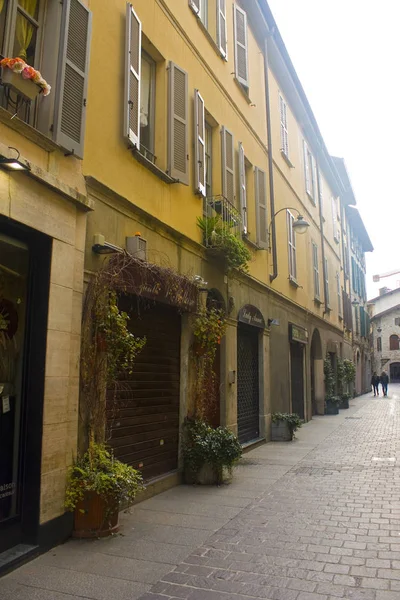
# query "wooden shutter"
(314, 178)
(228, 165)
(242, 188)
(284, 128)
(241, 47)
(316, 270)
(178, 163)
(221, 28)
(326, 283)
(69, 125)
(195, 5)
(133, 58)
(199, 144)
(261, 208)
(307, 174)
(291, 246)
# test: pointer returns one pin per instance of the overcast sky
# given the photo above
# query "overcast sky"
(347, 56)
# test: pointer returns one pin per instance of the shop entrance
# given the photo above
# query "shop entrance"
(395, 372)
(297, 378)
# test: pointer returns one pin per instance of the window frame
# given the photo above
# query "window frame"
(326, 281)
(394, 338)
(379, 344)
(310, 174)
(339, 295)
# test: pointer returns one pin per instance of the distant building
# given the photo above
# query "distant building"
(384, 311)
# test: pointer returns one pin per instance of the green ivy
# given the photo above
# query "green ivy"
(292, 419)
(98, 471)
(349, 371)
(330, 380)
(208, 329)
(202, 444)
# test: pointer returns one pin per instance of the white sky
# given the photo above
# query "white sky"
(347, 56)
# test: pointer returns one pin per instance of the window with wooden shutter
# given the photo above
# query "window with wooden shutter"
(241, 47)
(69, 126)
(316, 271)
(195, 5)
(242, 188)
(221, 28)
(326, 274)
(178, 163)
(133, 60)
(379, 344)
(284, 126)
(291, 246)
(199, 144)
(339, 295)
(228, 165)
(261, 208)
(310, 173)
(335, 220)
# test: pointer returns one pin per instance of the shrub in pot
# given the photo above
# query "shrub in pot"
(332, 405)
(209, 454)
(284, 426)
(97, 485)
(344, 400)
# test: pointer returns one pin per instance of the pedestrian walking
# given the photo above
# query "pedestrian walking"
(375, 379)
(384, 381)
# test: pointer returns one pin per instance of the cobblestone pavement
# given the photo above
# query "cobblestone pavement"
(316, 519)
(328, 529)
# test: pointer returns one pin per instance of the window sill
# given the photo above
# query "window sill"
(249, 242)
(32, 134)
(245, 93)
(207, 34)
(311, 198)
(287, 159)
(293, 282)
(336, 239)
(152, 167)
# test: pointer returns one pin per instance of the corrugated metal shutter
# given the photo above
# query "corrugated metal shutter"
(133, 52)
(69, 125)
(178, 160)
(241, 48)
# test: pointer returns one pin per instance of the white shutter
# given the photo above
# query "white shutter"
(241, 47)
(261, 208)
(284, 127)
(178, 163)
(133, 58)
(69, 125)
(228, 165)
(316, 270)
(221, 28)
(195, 5)
(334, 219)
(307, 173)
(242, 188)
(314, 178)
(291, 246)
(326, 283)
(199, 144)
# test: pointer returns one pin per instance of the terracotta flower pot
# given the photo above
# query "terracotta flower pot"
(95, 516)
(25, 87)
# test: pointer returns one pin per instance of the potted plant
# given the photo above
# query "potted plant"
(23, 78)
(344, 400)
(349, 375)
(209, 454)
(219, 239)
(284, 426)
(97, 486)
(332, 404)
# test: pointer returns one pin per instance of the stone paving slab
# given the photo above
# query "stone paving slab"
(317, 519)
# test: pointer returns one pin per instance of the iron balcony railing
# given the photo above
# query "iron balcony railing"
(221, 218)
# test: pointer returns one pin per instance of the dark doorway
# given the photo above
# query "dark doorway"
(297, 378)
(395, 372)
(248, 401)
(315, 360)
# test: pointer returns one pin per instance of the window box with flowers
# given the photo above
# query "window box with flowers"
(22, 78)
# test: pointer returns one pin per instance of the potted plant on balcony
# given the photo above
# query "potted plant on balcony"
(23, 78)
(209, 454)
(284, 426)
(220, 240)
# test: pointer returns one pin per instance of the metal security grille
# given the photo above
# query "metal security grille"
(248, 384)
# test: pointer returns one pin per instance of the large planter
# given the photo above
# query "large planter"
(94, 517)
(345, 403)
(207, 476)
(280, 432)
(331, 409)
(25, 87)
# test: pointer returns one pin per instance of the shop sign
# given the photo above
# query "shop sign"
(298, 334)
(250, 315)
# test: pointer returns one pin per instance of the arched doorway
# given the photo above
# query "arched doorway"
(317, 374)
(395, 372)
(213, 410)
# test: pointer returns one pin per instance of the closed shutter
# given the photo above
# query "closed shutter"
(314, 178)
(291, 246)
(284, 127)
(221, 28)
(228, 165)
(69, 126)
(261, 208)
(199, 144)
(195, 5)
(241, 48)
(242, 188)
(316, 270)
(178, 163)
(307, 174)
(133, 51)
(327, 299)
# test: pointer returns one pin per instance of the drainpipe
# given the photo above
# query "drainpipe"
(321, 227)
(270, 167)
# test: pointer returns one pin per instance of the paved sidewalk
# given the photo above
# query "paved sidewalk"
(316, 519)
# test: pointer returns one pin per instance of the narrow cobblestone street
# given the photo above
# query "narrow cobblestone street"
(318, 519)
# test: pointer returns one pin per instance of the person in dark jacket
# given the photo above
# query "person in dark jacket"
(375, 380)
(384, 381)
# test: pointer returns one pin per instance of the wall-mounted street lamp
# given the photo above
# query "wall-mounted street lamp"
(13, 164)
(355, 302)
(100, 246)
(300, 225)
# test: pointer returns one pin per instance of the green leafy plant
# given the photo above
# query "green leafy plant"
(349, 371)
(209, 327)
(292, 420)
(203, 445)
(218, 236)
(99, 472)
(333, 400)
(330, 380)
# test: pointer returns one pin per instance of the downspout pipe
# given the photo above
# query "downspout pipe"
(274, 274)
